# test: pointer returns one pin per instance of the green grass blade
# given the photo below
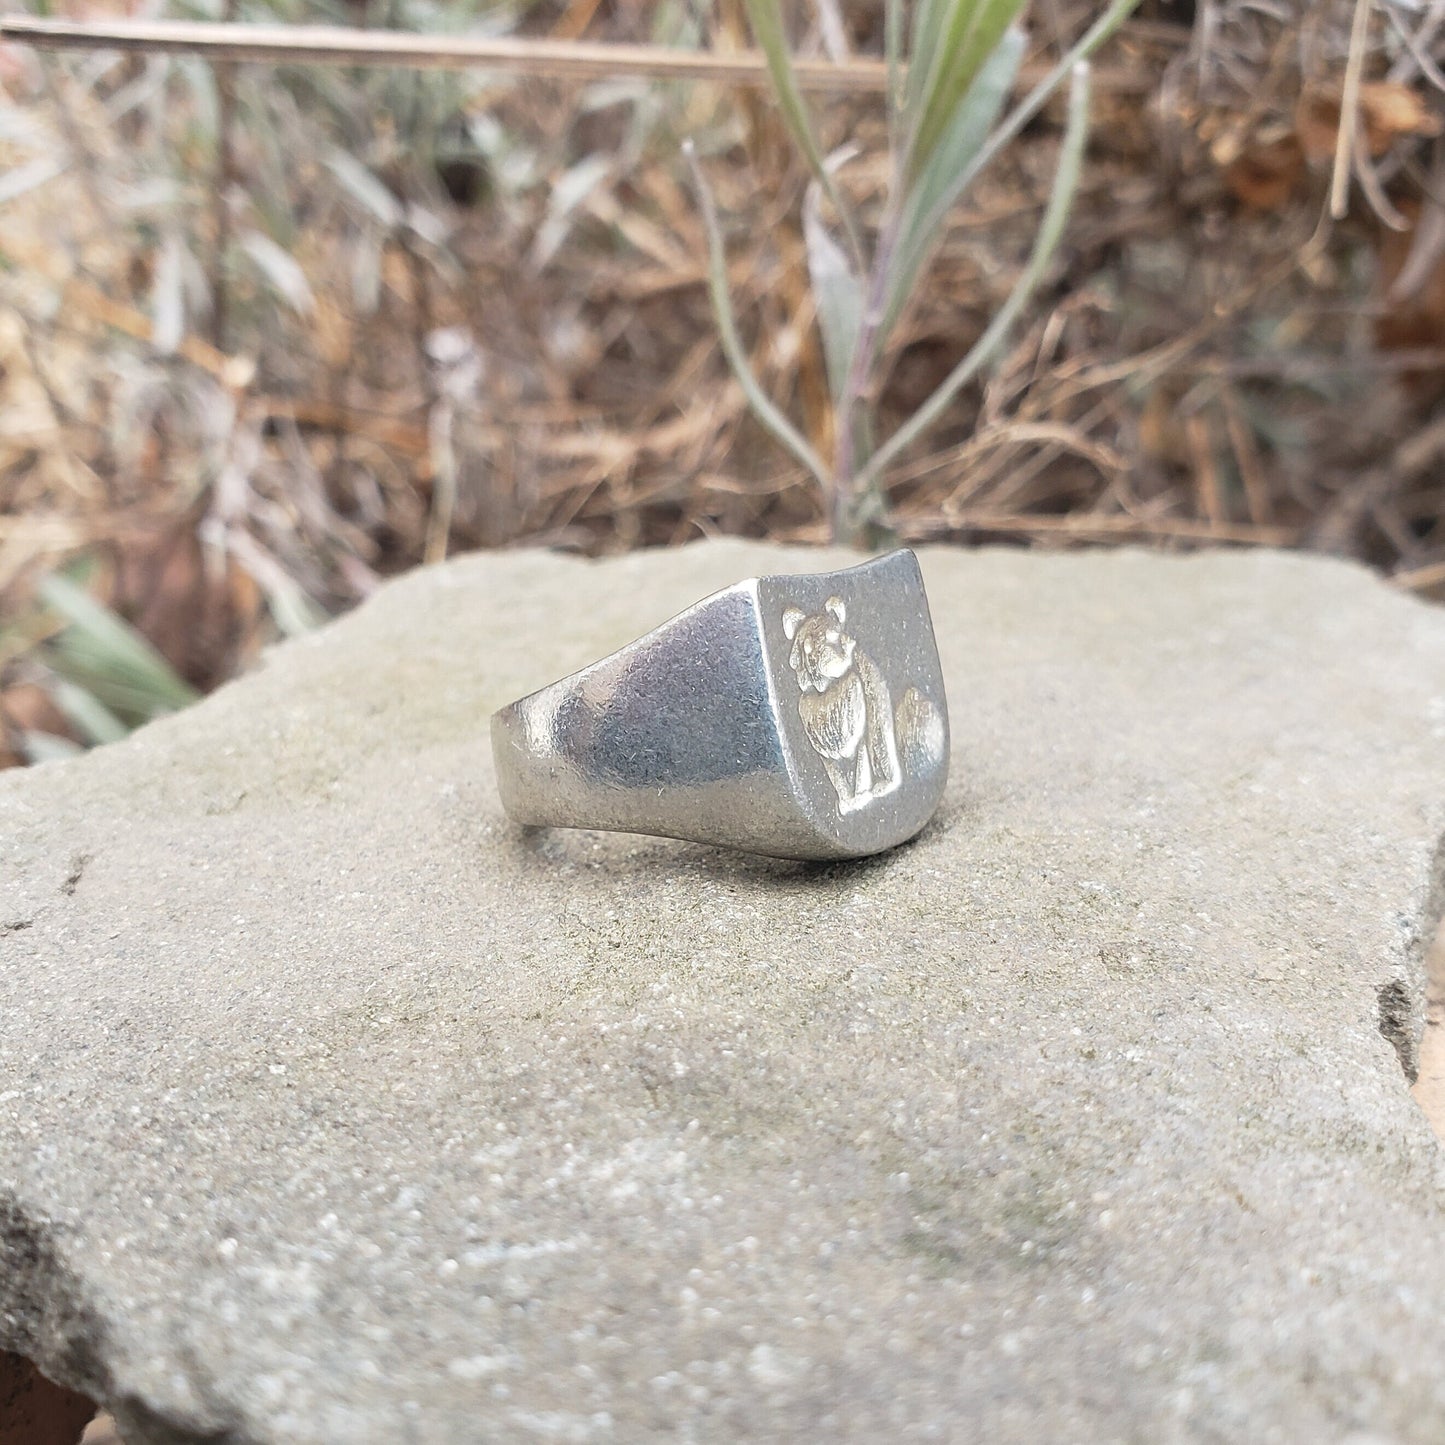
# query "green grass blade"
(1112, 18)
(77, 659)
(893, 55)
(970, 35)
(837, 293)
(86, 713)
(762, 404)
(134, 706)
(40, 747)
(363, 187)
(1051, 229)
(98, 634)
(925, 51)
(933, 194)
(766, 19)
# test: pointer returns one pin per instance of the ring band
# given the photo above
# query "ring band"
(801, 716)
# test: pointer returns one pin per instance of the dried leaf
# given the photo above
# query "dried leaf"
(281, 269)
(427, 225)
(27, 177)
(28, 707)
(1412, 313)
(1391, 110)
(1317, 126)
(1388, 111)
(364, 187)
(571, 188)
(168, 301)
(1264, 177)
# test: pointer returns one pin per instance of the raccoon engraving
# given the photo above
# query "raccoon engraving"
(844, 706)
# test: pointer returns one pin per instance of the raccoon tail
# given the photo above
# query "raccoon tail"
(920, 730)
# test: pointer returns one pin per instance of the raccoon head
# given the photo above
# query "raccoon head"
(822, 651)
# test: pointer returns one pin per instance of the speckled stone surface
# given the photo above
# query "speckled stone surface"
(335, 1109)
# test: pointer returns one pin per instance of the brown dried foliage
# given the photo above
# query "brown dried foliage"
(1211, 364)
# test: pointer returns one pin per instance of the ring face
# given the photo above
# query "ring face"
(802, 716)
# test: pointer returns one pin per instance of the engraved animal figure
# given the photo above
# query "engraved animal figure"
(844, 706)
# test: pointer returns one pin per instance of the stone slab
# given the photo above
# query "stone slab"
(335, 1108)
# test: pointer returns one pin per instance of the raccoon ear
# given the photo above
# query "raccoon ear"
(835, 606)
(792, 617)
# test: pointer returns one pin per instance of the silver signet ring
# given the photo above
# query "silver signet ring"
(799, 716)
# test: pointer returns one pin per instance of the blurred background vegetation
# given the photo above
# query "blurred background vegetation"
(269, 334)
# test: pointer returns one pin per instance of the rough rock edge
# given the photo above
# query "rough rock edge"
(44, 1317)
(1402, 996)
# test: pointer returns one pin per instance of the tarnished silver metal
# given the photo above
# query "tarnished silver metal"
(800, 716)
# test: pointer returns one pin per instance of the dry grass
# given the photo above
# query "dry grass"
(497, 331)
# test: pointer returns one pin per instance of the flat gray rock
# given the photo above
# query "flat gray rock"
(334, 1108)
